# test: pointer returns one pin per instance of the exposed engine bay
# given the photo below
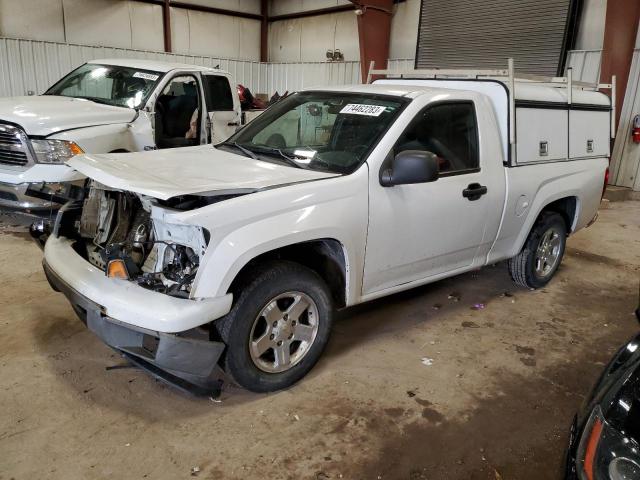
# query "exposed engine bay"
(160, 256)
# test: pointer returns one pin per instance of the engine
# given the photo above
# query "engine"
(159, 256)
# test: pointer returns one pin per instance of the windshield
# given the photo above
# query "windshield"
(108, 84)
(327, 131)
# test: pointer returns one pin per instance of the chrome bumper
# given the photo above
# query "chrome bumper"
(15, 197)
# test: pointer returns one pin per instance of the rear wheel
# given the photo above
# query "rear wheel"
(542, 253)
(277, 328)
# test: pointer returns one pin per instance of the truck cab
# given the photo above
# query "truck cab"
(107, 106)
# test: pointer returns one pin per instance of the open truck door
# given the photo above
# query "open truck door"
(223, 107)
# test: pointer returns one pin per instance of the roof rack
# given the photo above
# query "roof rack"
(508, 77)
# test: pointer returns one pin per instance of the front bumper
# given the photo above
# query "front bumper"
(188, 363)
(126, 301)
(15, 197)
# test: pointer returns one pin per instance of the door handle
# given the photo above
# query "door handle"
(233, 124)
(474, 191)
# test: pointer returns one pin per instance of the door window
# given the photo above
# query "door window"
(177, 113)
(218, 93)
(449, 130)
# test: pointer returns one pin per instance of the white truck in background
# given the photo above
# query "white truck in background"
(112, 105)
(237, 255)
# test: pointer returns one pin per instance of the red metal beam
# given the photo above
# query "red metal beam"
(202, 8)
(166, 25)
(311, 13)
(264, 31)
(374, 32)
(620, 30)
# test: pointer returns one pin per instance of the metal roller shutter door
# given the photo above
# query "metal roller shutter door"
(484, 33)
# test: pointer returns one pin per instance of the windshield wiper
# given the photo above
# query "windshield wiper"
(244, 150)
(288, 160)
(99, 100)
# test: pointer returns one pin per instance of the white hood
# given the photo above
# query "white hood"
(47, 114)
(183, 171)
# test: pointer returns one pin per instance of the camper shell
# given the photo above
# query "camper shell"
(540, 119)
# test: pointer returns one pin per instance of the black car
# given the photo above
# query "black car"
(605, 435)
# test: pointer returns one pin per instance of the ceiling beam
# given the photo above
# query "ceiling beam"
(202, 8)
(311, 13)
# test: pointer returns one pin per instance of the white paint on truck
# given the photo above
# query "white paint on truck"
(425, 189)
(111, 105)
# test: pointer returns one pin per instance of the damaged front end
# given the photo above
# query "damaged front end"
(155, 323)
(129, 231)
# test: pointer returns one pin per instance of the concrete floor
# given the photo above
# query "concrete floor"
(415, 386)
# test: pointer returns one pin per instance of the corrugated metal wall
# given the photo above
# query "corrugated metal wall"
(484, 33)
(32, 66)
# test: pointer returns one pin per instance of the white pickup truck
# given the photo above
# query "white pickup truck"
(238, 254)
(107, 106)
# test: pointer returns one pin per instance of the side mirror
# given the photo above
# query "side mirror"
(411, 166)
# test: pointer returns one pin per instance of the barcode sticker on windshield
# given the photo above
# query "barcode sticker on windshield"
(359, 109)
(146, 76)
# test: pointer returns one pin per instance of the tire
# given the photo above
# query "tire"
(525, 268)
(274, 288)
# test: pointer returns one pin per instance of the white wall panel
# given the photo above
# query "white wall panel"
(290, 77)
(591, 28)
(36, 19)
(202, 33)
(308, 39)
(625, 159)
(147, 32)
(346, 36)
(404, 29)
(284, 41)
(283, 7)
(98, 22)
(180, 30)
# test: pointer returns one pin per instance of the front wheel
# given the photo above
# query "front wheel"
(277, 328)
(542, 253)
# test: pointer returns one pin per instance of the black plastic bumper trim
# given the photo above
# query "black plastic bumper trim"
(190, 364)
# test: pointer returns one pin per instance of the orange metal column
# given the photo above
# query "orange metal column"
(374, 31)
(621, 28)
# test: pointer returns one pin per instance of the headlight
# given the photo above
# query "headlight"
(606, 453)
(54, 151)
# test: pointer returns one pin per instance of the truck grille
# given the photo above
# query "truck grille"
(14, 146)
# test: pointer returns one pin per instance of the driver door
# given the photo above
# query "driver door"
(423, 230)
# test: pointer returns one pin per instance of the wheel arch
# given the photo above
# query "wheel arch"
(566, 205)
(325, 256)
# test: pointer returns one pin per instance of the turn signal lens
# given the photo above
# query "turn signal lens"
(75, 149)
(117, 269)
(592, 446)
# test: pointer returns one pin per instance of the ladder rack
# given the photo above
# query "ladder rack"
(508, 77)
